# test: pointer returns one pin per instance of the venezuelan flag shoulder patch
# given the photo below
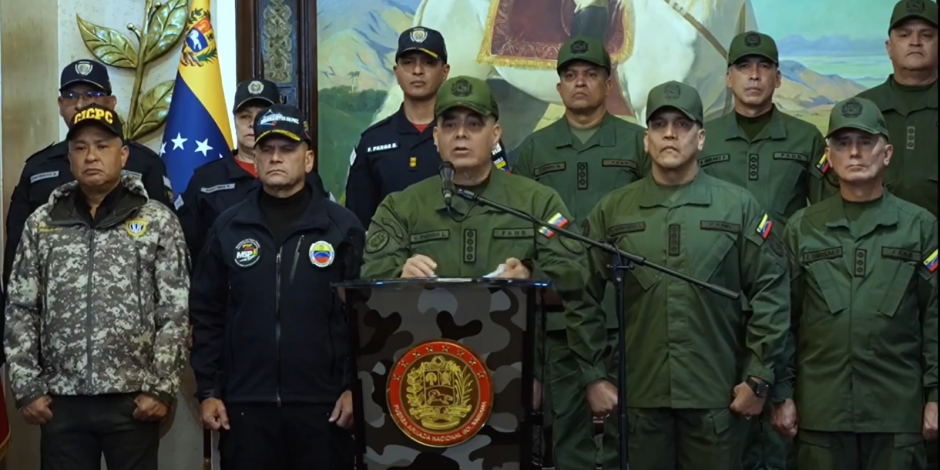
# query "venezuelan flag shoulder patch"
(931, 262)
(556, 220)
(823, 164)
(765, 226)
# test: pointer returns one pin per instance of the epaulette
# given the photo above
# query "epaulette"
(51, 149)
(142, 148)
(378, 124)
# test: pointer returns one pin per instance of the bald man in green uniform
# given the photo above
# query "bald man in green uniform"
(908, 100)
(414, 234)
(774, 156)
(584, 155)
(698, 368)
(864, 312)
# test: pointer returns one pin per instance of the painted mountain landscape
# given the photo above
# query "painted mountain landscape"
(820, 65)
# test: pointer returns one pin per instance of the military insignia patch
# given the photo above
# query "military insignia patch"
(321, 254)
(915, 7)
(852, 109)
(752, 40)
(255, 87)
(419, 35)
(931, 262)
(557, 220)
(440, 394)
(247, 252)
(136, 227)
(377, 241)
(83, 68)
(673, 92)
(765, 226)
(579, 47)
(461, 88)
(413, 162)
(823, 164)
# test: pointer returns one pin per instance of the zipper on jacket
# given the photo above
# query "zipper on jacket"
(277, 322)
(89, 320)
(293, 268)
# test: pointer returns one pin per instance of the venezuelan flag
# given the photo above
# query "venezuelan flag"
(197, 128)
(931, 262)
(765, 226)
(823, 164)
(557, 220)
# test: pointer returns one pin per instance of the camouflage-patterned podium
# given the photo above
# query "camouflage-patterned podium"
(445, 370)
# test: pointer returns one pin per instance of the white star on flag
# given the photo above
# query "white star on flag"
(162, 149)
(203, 147)
(178, 141)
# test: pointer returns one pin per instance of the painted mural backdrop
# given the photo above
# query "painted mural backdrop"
(829, 51)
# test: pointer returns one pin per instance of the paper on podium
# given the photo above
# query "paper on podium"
(499, 270)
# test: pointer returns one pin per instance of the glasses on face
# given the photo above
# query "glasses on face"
(89, 95)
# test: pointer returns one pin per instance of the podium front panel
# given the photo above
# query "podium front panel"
(423, 394)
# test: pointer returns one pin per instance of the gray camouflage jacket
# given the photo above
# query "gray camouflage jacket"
(98, 310)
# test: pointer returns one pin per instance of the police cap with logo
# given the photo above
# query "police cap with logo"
(860, 114)
(907, 9)
(263, 91)
(466, 92)
(678, 96)
(98, 115)
(85, 71)
(753, 44)
(584, 49)
(421, 39)
(282, 120)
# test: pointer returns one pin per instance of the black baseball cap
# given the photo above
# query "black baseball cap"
(421, 39)
(284, 120)
(256, 89)
(97, 115)
(85, 71)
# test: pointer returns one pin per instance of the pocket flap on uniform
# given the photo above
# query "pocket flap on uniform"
(723, 421)
(830, 291)
(899, 281)
(907, 439)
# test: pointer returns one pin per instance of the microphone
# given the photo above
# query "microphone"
(447, 181)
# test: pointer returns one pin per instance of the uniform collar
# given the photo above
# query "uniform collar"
(487, 190)
(606, 135)
(404, 126)
(695, 193)
(234, 170)
(884, 97)
(774, 130)
(315, 216)
(882, 212)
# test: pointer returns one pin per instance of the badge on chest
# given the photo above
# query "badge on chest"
(321, 254)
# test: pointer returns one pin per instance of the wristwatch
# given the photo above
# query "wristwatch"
(760, 388)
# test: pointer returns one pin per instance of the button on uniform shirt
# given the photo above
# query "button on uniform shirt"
(611, 156)
(689, 347)
(392, 155)
(474, 240)
(778, 165)
(912, 117)
(865, 314)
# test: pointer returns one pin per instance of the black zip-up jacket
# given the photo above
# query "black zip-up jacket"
(267, 326)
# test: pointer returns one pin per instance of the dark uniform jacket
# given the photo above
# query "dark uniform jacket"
(215, 187)
(267, 327)
(391, 156)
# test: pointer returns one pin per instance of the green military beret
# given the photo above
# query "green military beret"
(857, 113)
(753, 43)
(585, 49)
(466, 92)
(906, 9)
(678, 96)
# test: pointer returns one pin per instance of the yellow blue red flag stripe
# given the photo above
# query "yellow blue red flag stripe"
(931, 261)
(197, 128)
(823, 164)
(556, 220)
(765, 226)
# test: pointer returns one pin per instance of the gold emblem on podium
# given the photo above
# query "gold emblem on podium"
(440, 394)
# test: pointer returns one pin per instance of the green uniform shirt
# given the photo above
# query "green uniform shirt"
(688, 347)
(865, 315)
(583, 173)
(913, 125)
(416, 221)
(778, 166)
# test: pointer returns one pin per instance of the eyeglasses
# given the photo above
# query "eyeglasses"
(91, 94)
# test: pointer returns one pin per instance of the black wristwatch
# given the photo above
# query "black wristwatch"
(760, 388)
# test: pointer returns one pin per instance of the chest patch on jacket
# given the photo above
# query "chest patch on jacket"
(136, 227)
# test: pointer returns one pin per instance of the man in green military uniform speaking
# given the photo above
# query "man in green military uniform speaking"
(864, 312)
(697, 367)
(584, 155)
(415, 234)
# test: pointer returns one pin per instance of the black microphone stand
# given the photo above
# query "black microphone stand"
(623, 262)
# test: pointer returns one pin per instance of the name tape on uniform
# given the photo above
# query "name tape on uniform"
(218, 187)
(382, 148)
(43, 176)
